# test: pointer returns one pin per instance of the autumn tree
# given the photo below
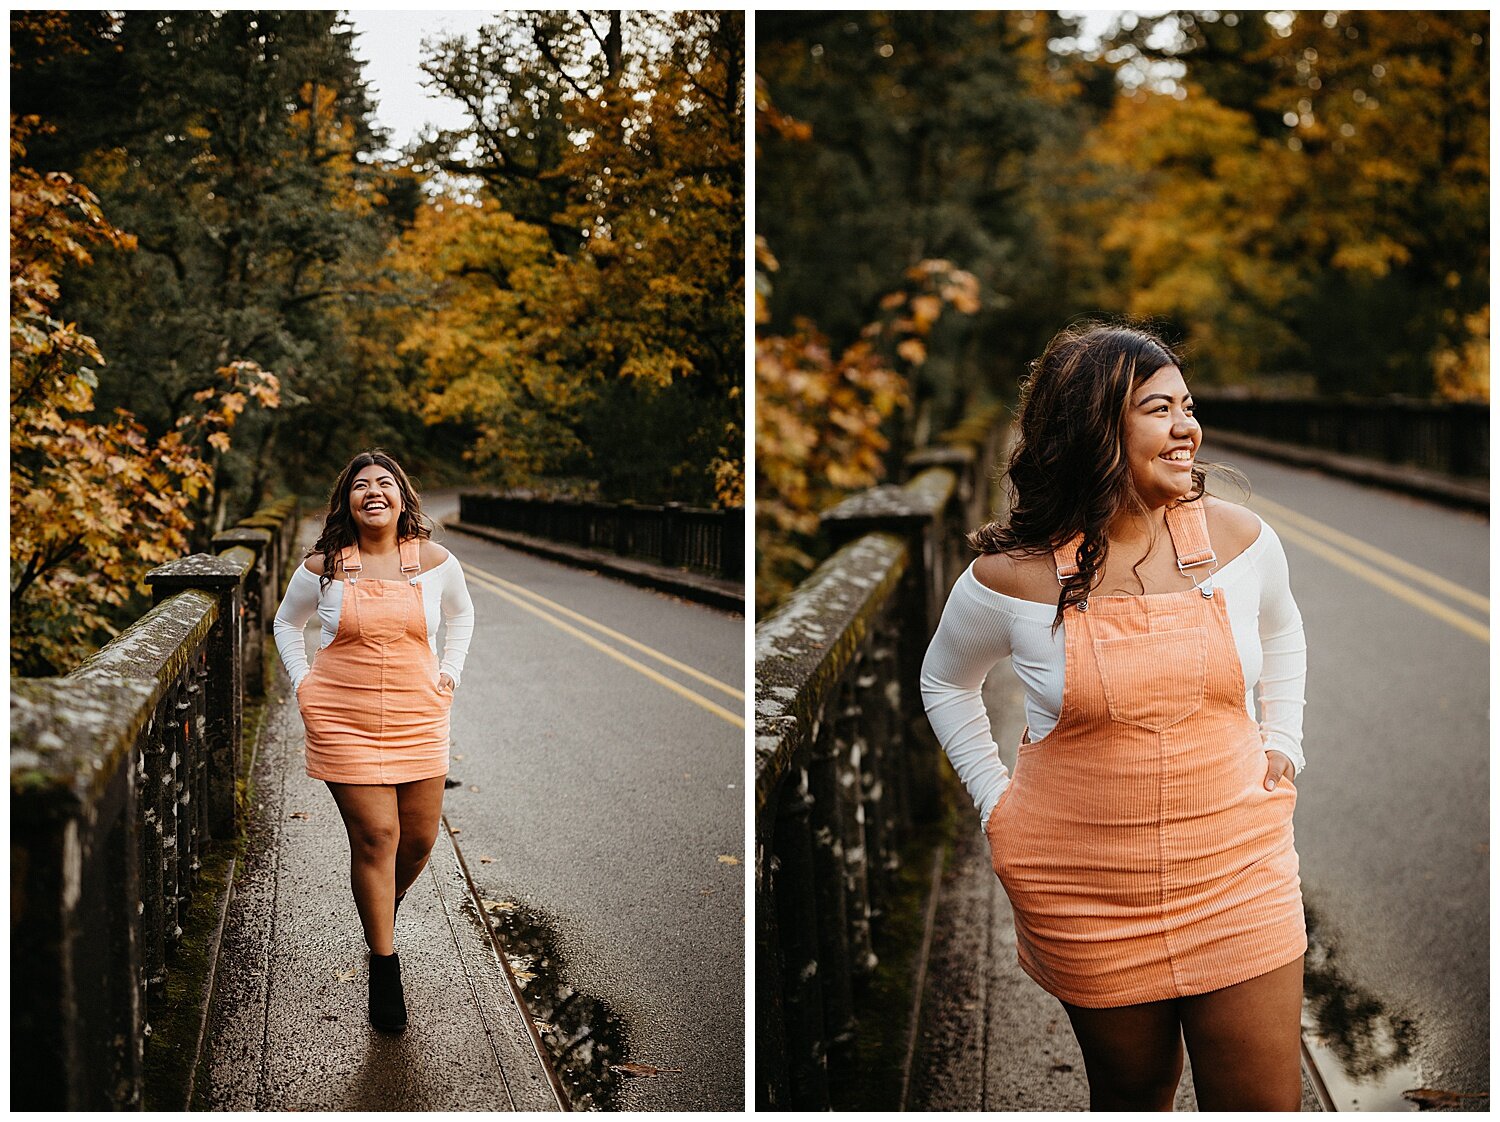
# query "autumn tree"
(234, 146)
(94, 503)
(587, 300)
(1362, 168)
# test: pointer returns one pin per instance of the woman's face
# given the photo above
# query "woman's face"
(1161, 437)
(374, 498)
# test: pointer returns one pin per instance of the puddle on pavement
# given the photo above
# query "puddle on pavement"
(583, 1034)
(1364, 1051)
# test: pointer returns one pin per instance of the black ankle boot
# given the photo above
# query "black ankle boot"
(387, 1002)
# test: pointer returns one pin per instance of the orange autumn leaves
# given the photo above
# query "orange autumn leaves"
(94, 504)
(819, 414)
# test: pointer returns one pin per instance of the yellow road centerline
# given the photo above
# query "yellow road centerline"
(1371, 553)
(1381, 580)
(735, 719)
(613, 634)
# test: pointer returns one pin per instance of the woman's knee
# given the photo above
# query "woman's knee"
(373, 840)
(414, 847)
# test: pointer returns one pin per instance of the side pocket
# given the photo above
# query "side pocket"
(992, 829)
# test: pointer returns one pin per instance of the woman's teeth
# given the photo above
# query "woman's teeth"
(1183, 455)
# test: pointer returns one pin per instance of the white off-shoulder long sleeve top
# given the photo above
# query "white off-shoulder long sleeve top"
(980, 627)
(445, 596)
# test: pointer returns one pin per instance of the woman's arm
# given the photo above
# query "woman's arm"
(297, 607)
(971, 638)
(1283, 675)
(458, 621)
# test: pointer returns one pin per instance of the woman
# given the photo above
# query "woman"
(376, 701)
(1145, 839)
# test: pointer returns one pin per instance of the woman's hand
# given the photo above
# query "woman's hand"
(445, 684)
(1277, 765)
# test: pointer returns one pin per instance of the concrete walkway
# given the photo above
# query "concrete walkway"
(288, 1027)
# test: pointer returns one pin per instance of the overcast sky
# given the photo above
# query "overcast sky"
(390, 45)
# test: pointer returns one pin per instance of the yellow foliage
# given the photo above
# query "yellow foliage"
(1462, 371)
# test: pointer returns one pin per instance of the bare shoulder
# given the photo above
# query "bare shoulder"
(1231, 527)
(1020, 576)
(431, 554)
(313, 563)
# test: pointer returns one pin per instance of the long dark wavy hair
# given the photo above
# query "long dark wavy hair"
(1068, 473)
(339, 530)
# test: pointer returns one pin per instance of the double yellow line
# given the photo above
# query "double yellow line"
(1338, 548)
(550, 611)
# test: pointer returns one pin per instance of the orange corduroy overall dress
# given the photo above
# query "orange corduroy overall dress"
(1142, 854)
(371, 703)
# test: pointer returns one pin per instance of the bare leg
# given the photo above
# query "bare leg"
(1244, 1042)
(420, 807)
(371, 819)
(1133, 1054)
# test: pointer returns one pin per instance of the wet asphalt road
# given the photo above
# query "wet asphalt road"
(599, 802)
(1392, 819)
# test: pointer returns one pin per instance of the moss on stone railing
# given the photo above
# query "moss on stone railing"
(845, 763)
(122, 771)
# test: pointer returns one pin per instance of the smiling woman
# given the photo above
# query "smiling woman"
(376, 701)
(1145, 837)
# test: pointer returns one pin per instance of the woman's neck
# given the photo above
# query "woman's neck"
(377, 544)
(1132, 526)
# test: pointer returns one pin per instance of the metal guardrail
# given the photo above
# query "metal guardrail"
(678, 536)
(1452, 437)
(845, 762)
(122, 772)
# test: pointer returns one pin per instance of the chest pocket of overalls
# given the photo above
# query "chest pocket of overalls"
(1153, 680)
(380, 610)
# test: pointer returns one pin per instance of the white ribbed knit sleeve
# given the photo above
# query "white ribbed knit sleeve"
(458, 619)
(1283, 673)
(971, 638)
(297, 607)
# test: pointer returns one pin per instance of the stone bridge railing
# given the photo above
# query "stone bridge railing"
(845, 761)
(122, 772)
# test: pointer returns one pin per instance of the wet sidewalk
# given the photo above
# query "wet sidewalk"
(288, 1028)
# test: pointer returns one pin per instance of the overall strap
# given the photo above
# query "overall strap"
(1065, 557)
(1188, 525)
(349, 559)
(411, 553)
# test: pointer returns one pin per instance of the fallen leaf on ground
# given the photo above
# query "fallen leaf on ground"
(347, 975)
(1430, 1098)
(458, 755)
(1062, 1067)
(726, 859)
(473, 788)
(494, 906)
(543, 1026)
(456, 830)
(643, 1069)
(707, 891)
(299, 814)
(486, 860)
(522, 975)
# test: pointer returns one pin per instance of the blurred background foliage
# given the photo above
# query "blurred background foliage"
(1300, 199)
(208, 232)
